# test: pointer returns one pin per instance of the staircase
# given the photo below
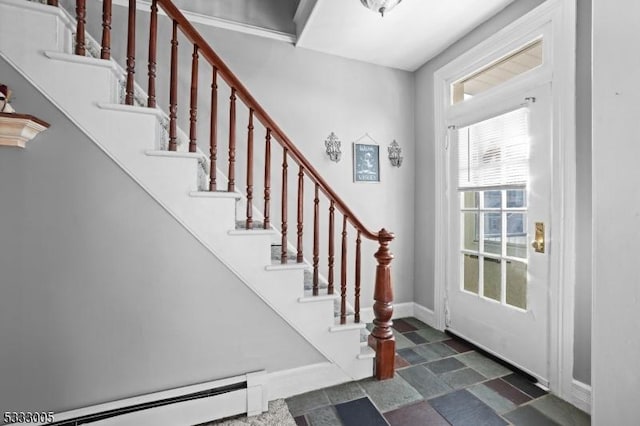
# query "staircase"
(250, 231)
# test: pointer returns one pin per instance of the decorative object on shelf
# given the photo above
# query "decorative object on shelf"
(395, 154)
(332, 144)
(18, 129)
(366, 162)
(5, 97)
(380, 6)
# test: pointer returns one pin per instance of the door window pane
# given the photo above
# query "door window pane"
(470, 231)
(469, 199)
(492, 199)
(517, 284)
(471, 273)
(493, 233)
(517, 235)
(516, 198)
(492, 278)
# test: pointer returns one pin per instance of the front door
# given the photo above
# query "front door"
(500, 183)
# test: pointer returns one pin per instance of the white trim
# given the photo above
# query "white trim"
(287, 383)
(581, 396)
(131, 108)
(215, 194)
(257, 395)
(187, 412)
(246, 232)
(212, 21)
(315, 299)
(286, 267)
(562, 15)
(175, 154)
(563, 306)
(425, 315)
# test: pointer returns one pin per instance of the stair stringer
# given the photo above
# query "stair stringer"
(80, 87)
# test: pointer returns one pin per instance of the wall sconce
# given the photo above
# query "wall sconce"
(332, 144)
(395, 154)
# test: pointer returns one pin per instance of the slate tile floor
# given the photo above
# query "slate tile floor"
(438, 381)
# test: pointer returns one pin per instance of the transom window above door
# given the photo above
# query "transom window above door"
(519, 62)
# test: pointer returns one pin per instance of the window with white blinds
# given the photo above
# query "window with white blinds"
(494, 152)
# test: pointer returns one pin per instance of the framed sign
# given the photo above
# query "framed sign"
(366, 163)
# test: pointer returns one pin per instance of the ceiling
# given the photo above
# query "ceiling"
(405, 38)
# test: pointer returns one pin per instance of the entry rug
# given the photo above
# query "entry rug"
(278, 415)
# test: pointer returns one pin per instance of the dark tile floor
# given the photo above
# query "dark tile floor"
(438, 381)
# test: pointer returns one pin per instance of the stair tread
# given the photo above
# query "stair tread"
(258, 225)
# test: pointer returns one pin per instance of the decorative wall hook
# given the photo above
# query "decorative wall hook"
(395, 154)
(332, 144)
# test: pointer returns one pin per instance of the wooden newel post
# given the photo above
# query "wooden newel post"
(381, 338)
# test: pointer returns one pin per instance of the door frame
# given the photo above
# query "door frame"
(555, 20)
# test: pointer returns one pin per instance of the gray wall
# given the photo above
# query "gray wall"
(103, 295)
(616, 213)
(309, 95)
(582, 336)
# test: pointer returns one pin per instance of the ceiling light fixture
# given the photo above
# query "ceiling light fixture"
(381, 6)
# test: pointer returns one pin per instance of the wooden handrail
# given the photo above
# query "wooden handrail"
(227, 75)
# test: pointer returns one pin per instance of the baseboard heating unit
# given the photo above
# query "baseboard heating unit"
(190, 405)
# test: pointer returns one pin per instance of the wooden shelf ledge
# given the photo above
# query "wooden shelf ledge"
(18, 129)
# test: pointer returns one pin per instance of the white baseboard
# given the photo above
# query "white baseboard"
(425, 315)
(581, 396)
(295, 381)
(251, 400)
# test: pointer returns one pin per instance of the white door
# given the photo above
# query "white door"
(500, 183)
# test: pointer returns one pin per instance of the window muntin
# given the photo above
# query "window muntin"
(494, 244)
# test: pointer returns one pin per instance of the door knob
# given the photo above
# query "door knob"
(538, 242)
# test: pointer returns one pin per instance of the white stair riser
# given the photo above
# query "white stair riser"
(20, 23)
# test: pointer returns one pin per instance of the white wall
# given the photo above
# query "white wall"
(616, 213)
(103, 295)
